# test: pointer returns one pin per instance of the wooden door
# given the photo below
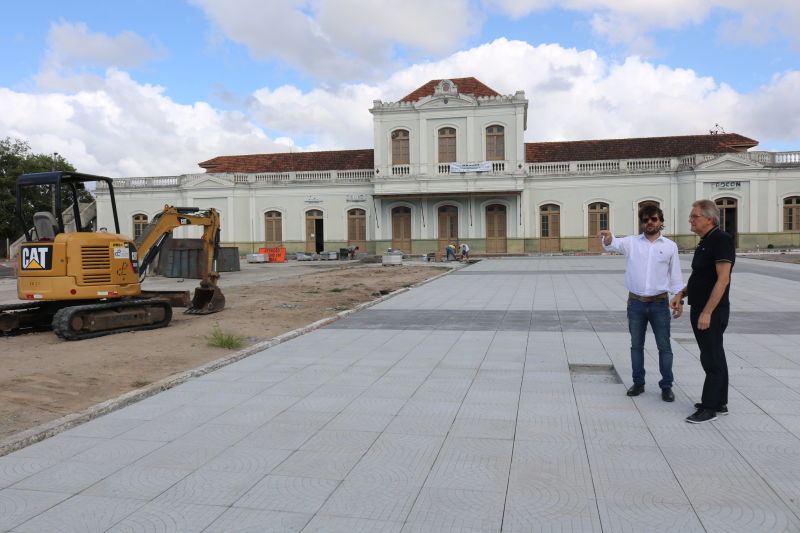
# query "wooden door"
(496, 229)
(598, 221)
(727, 217)
(448, 226)
(401, 229)
(550, 238)
(273, 229)
(357, 229)
(314, 235)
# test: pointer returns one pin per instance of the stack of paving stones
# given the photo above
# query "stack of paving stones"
(492, 399)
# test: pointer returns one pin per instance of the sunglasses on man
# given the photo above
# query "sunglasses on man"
(650, 219)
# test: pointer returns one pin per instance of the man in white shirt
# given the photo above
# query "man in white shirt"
(653, 270)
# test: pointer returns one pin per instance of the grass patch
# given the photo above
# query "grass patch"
(139, 383)
(311, 292)
(221, 339)
(338, 289)
(341, 308)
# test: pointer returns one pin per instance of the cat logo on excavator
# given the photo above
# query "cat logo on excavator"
(36, 257)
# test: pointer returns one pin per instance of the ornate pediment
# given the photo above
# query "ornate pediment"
(728, 162)
(210, 181)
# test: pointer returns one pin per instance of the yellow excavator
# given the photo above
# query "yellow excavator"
(84, 283)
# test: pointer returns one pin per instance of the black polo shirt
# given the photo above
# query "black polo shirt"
(714, 247)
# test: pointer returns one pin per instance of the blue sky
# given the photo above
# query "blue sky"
(151, 88)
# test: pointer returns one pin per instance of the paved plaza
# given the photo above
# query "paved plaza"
(491, 399)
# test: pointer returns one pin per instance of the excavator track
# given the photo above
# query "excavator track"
(78, 322)
(30, 317)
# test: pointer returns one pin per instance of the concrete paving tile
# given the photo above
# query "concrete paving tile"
(104, 427)
(81, 514)
(18, 506)
(486, 473)
(117, 451)
(519, 520)
(459, 509)
(743, 516)
(213, 434)
(247, 415)
(407, 470)
(278, 436)
(14, 468)
(656, 516)
(357, 499)
(69, 477)
(137, 482)
(359, 422)
(210, 487)
(258, 521)
(294, 494)
(244, 459)
(322, 523)
(434, 425)
(421, 408)
(323, 465)
(143, 410)
(341, 441)
(57, 449)
(180, 455)
(159, 430)
(483, 428)
(173, 518)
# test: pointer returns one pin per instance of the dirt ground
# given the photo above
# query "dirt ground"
(43, 378)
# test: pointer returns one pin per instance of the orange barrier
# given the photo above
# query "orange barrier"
(276, 255)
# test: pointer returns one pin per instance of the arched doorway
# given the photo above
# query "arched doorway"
(496, 230)
(598, 221)
(401, 229)
(357, 228)
(314, 231)
(273, 229)
(727, 217)
(791, 213)
(139, 225)
(448, 226)
(550, 236)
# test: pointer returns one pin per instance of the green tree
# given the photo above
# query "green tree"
(16, 159)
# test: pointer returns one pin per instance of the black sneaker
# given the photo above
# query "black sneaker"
(720, 410)
(702, 415)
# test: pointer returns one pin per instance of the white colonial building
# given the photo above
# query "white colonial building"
(450, 164)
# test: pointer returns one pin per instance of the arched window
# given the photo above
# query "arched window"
(273, 229)
(495, 143)
(139, 224)
(400, 151)
(447, 145)
(791, 213)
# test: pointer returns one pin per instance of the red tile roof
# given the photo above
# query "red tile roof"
(636, 148)
(464, 86)
(292, 161)
(642, 147)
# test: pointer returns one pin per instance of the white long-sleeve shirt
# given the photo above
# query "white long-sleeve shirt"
(653, 267)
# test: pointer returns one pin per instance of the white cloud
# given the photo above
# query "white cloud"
(343, 39)
(73, 51)
(126, 129)
(628, 22)
(123, 128)
(572, 95)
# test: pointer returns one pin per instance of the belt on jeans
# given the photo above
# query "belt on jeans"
(648, 299)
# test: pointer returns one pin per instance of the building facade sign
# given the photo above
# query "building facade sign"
(728, 185)
(356, 198)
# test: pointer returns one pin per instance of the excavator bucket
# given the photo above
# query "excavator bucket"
(206, 300)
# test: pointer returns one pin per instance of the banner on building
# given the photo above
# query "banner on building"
(483, 166)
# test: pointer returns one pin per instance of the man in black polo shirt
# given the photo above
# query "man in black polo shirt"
(707, 290)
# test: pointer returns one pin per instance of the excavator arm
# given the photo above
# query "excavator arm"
(208, 297)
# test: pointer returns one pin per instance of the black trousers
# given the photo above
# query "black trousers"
(712, 356)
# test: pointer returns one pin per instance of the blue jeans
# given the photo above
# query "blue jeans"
(657, 314)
